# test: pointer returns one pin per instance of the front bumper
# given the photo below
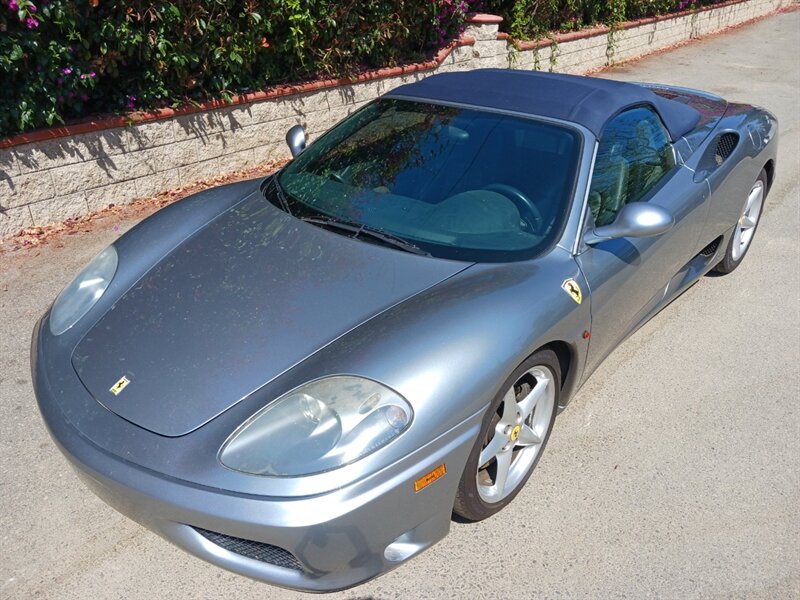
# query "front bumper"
(320, 543)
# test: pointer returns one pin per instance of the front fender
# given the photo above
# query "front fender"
(448, 349)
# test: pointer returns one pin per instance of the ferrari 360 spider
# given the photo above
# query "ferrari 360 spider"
(301, 378)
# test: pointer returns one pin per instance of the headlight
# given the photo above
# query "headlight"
(85, 290)
(322, 425)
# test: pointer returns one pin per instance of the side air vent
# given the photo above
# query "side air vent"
(725, 145)
(711, 249)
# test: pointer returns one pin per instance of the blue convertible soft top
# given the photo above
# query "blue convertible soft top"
(588, 101)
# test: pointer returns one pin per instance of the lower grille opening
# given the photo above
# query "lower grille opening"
(266, 553)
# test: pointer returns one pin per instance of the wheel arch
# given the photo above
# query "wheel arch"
(567, 356)
(769, 167)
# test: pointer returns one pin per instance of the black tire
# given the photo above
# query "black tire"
(729, 262)
(468, 503)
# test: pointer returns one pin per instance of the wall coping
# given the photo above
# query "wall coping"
(484, 19)
(102, 122)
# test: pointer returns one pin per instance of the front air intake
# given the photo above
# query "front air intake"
(267, 553)
(725, 146)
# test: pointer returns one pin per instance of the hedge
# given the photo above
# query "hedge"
(62, 60)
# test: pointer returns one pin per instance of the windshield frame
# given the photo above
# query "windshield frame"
(556, 238)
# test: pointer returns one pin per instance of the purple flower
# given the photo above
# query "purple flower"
(84, 97)
(61, 99)
(12, 5)
(32, 8)
(66, 70)
(31, 22)
(71, 94)
(131, 102)
(59, 81)
(83, 76)
(92, 74)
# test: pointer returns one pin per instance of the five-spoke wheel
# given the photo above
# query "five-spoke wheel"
(514, 433)
(745, 227)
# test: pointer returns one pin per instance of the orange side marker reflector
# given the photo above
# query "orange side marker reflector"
(429, 478)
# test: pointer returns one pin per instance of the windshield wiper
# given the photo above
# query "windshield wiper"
(358, 229)
(280, 194)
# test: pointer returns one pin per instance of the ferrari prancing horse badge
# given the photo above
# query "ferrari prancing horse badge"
(119, 386)
(573, 289)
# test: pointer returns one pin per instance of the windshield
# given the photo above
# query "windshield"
(456, 183)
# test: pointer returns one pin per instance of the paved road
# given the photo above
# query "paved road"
(674, 474)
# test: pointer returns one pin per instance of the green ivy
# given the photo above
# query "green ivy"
(535, 19)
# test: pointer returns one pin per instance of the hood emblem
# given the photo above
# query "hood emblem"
(573, 289)
(120, 385)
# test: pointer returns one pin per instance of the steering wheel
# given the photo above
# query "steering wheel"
(528, 211)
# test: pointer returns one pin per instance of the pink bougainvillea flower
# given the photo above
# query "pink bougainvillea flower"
(31, 22)
(12, 5)
(66, 70)
(92, 74)
(131, 102)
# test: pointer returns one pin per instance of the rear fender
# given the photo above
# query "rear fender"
(730, 175)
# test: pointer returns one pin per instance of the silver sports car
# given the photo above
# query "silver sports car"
(302, 378)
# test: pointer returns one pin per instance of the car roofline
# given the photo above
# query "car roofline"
(490, 109)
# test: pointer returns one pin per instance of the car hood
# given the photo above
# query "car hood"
(241, 301)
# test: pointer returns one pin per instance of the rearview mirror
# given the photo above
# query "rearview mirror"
(296, 139)
(637, 219)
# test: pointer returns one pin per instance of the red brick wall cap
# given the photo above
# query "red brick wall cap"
(484, 19)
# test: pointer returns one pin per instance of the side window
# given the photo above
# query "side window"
(633, 155)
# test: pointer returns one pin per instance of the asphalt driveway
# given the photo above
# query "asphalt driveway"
(675, 473)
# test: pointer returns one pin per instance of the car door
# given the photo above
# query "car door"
(628, 277)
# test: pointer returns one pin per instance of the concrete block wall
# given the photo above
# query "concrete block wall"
(46, 179)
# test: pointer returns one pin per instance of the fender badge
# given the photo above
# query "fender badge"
(573, 289)
(120, 385)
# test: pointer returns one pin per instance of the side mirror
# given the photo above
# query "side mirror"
(296, 139)
(637, 219)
